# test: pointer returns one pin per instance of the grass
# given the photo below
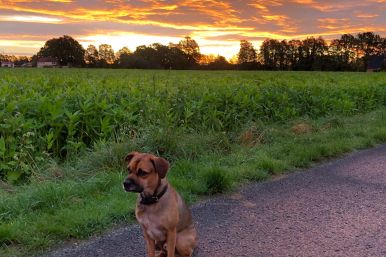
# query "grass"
(58, 113)
(84, 196)
(64, 134)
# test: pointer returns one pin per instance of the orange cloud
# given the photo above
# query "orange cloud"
(210, 22)
(367, 15)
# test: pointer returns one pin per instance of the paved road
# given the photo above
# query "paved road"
(336, 209)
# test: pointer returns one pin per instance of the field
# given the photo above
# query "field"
(64, 133)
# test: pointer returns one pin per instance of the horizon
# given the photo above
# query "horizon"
(217, 26)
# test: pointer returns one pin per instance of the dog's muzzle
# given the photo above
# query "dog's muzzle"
(130, 186)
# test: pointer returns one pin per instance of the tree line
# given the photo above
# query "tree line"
(348, 53)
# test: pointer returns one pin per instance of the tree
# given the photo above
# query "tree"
(158, 56)
(206, 59)
(368, 44)
(190, 47)
(247, 53)
(273, 54)
(22, 60)
(312, 51)
(294, 53)
(65, 49)
(106, 54)
(219, 63)
(179, 59)
(34, 60)
(91, 56)
(124, 50)
(342, 53)
(149, 56)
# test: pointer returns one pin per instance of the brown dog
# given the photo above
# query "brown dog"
(165, 219)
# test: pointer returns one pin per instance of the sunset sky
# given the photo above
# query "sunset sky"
(217, 26)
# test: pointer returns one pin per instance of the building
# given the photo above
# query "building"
(7, 64)
(47, 62)
(376, 63)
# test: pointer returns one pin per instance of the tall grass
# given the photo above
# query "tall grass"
(57, 113)
(65, 132)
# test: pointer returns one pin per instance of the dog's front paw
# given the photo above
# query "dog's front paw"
(161, 254)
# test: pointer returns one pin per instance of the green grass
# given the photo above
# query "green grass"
(87, 199)
(64, 134)
(59, 113)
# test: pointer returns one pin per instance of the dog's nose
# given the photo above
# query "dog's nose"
(130, 185)
(127, 183)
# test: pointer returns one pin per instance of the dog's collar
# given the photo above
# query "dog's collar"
(154, 198)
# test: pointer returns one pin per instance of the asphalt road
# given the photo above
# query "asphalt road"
(335, 209)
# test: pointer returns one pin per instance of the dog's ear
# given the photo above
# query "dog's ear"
(161, 166)
(130, 156)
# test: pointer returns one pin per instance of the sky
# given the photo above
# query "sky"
(217, 26)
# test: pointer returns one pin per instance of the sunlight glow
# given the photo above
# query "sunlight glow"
(217, 26)
(20, 18)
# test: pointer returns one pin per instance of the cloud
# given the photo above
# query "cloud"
(210, 22)
(29, 18)
(367, 15)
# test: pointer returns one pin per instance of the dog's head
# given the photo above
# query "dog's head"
(145, 171)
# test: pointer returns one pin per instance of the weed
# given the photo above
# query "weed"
(217, 180)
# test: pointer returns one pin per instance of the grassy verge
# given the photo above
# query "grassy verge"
(85, 197)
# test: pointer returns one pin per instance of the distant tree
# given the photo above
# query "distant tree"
(206, 59)
(247, 53)
(149, 57)
(8, 58)
(383, 45)
(65, 49)
(369, 44)
(124, 50)
(34, 60)
(190, 47)
(271, 53)
(123, 61)
(220, 63)
(179, 59)
(278, 55)
(106, 54)
(158, 56)
(312, 52)
(234, 59)
(162, 55)
(294, 53)
(342, 53)
(91, 56)
(22, 60)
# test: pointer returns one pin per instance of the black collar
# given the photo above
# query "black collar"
(154, 198)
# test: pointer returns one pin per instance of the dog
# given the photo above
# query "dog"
(164, 217)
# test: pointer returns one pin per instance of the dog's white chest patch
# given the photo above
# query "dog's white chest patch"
(156, 234)
(152, 228)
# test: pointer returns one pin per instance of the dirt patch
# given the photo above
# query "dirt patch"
(251, 137)
(301, 128)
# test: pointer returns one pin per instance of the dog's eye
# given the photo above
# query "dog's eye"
(141, 173)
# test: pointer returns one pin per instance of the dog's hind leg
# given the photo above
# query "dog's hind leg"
(186, 242)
